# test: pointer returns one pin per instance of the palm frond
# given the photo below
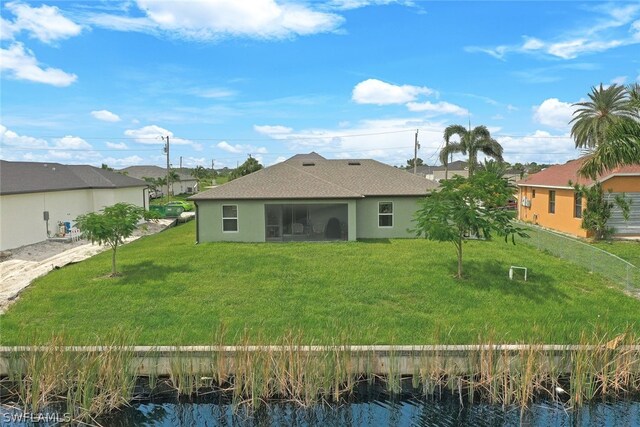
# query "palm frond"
(447, 150)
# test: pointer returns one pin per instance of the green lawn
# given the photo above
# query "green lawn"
(628, 251)
(383, 292)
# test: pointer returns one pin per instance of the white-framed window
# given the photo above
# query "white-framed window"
(229, 218)
(385, 214)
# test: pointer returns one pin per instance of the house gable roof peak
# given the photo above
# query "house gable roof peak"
(318, 178)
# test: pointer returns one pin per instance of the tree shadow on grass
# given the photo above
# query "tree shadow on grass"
(494, 275)
(131, 274)
(381, 240)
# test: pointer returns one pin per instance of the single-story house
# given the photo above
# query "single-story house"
(437, 173)
(547, 199)
(308, 197)
(36, 197)
(187, 183)
(457, 167)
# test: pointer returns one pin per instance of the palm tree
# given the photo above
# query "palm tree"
(620, 141)
(471, 142)
(592, 119)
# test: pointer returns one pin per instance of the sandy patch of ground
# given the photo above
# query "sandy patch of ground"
(30, 262)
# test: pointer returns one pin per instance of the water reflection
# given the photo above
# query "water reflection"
(405, 412)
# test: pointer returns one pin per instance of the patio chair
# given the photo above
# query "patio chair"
(318, 228)
(298, 228)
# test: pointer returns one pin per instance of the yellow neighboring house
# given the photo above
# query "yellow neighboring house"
(547, 199)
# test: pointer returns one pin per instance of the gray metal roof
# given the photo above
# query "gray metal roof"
(304, 177)
(34, 177)
(150, 171)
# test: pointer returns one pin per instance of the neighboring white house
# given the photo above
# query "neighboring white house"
(36, 197)
(186, 184)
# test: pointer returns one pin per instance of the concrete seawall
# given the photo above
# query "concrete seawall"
(382, 360)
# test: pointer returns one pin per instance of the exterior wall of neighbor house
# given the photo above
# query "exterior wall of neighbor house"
(108, 197)
(21, 215)
(622, 184)
(538, 213)
(367, 217)
(439, 174)
(251, 218)
(181, 187)
(564, 219)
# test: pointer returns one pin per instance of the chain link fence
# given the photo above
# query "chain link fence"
(585, 255)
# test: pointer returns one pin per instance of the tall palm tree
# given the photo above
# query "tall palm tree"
(592, 119)
(471, 143)
(620, 141)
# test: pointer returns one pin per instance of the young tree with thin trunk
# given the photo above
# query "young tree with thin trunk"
(467, 206)
(111, 227)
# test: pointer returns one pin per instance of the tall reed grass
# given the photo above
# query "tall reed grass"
(92, 381)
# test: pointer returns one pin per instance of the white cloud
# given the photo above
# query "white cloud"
(215, 93)
(224, 145)
(21, 64)
(620, 80)
(213, 20)
(511, 108)
(273, 131)
(553, 113)
(124, 161)
(571, 49)
(279, 159)
(356, 4)
(373, 91)
(614, 26)
(117, 145)
(72, 143)
(44, 23)
(153, 135)
(238, 148)
(531, 43)
(497, 52)
(539, 146)
(105, 116)
(11, 138)
(437, 108)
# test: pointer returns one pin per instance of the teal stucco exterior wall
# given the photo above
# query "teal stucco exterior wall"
(251, 218)
(404, 209)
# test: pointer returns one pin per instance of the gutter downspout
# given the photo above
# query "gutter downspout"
(197, 223)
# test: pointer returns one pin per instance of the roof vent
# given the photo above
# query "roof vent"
(354, 163)
(308, 164)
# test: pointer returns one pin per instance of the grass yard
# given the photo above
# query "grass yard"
(377, 292)
(628, 251)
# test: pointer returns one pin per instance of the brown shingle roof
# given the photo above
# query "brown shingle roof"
(303, 177)
(560, 175)
(151, 171)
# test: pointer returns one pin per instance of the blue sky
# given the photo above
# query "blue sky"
(101, 82)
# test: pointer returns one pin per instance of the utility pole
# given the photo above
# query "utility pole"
(166, 150)
(416, 147)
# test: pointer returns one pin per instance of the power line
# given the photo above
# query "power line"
(277, 137)
(18, 148)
